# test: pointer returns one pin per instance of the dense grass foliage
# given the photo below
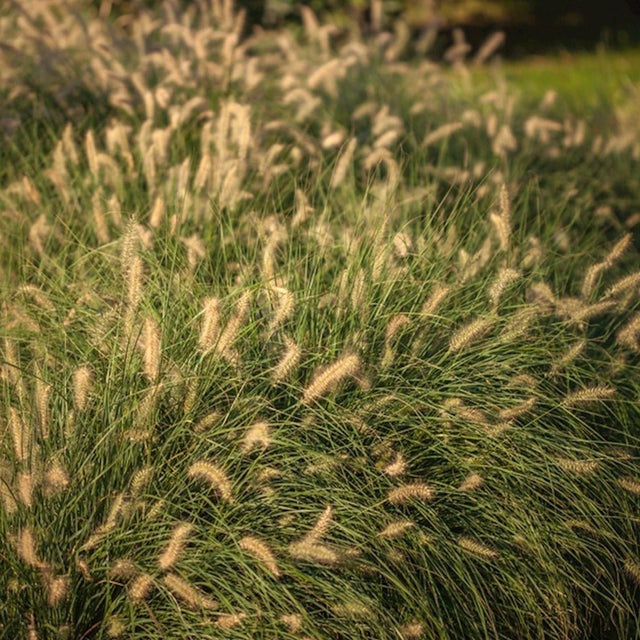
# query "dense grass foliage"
(304, 336)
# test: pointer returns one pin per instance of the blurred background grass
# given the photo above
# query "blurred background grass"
(532, 26)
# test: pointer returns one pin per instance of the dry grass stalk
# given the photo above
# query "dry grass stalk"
(476, 547)
(409, 491)
(117, 509)
(175, 546)
(329, 377)
(186, 592)
(468, 333)
(260, 550)
(214, 476)
(589, 394)
(256, 436)
(99, 220)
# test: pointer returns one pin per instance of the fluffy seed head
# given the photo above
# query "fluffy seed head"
(323, 381)
(406, 492)
(151, 354)
(25, 488)
(229, 620)
(313, 552)
(431, 304)
(442, 133)
(57, 588)
(43, 391)
(186, 592)
(583, 467)
(589, 394)
(81, 386)
(140, 588)
(261, 552)
(140, 480)
(632, 569)
(397, 528)
(19, 435)
(504, 278)
(26, 548)
(293, 621)
(214, 476)
(397, 467)
(471, 482)
(207, 422)
(412, 630)
(472, 545)
(630, 484)
(344, 161)
(468, 333)
(122, 569)
(134, 282)
(518, 410)
(256, 436)
(321, 526)
(288, 363)
(175, 546)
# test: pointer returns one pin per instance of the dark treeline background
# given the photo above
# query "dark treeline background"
(532, 26)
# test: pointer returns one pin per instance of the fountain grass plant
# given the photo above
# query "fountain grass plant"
(303, 339)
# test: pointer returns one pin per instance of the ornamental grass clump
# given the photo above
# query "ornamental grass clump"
(287, 354)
